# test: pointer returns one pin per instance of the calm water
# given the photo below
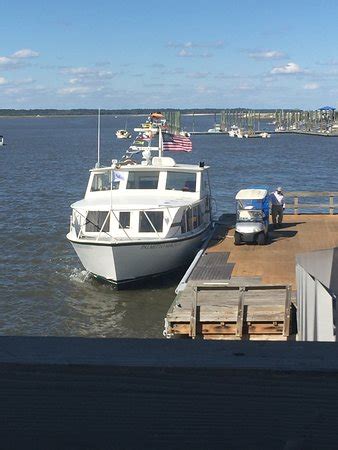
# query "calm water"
(44, 168)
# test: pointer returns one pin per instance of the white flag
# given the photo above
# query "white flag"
(119, 176)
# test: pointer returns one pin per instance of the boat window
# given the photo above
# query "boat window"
(95, 221)
(189, 219)
(205, 183)
(196, 216)
(124, 219)
(181, 181)
(102, 181)
(184, 223)
(192, 218)
(142, 180)
(156, 219)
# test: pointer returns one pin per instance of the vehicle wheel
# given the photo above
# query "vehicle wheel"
(238, 239)
(261, 238)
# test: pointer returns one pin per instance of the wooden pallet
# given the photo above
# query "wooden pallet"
(261, 312)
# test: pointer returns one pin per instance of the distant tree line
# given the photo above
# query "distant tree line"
(140, 111)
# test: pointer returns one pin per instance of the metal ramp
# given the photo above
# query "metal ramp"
(212, 266)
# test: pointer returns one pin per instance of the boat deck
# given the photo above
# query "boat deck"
(248, 291)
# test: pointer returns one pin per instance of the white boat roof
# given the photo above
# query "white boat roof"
(183, 167)
(251, 194)
(129, 203)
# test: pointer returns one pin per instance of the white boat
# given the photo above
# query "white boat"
(215, 129)
(2, 140)
(235, 132)
(265, 135)
(141, 219)
(123, 134)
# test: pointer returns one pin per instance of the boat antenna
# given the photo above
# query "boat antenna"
(160, 142)
(98, 137)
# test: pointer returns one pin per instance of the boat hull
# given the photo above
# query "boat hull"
(128, 262)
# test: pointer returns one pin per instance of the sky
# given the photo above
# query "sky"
(168, 54)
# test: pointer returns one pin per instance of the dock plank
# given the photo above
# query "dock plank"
(275, 263)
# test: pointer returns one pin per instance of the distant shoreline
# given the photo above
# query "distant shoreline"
(263, 115)
(45, 116)
(43, 113)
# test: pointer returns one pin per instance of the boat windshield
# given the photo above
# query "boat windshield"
(181, 181)
(142, 180)
(105, 181)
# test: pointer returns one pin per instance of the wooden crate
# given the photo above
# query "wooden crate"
(262, 312)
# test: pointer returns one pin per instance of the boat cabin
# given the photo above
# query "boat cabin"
(161, 200)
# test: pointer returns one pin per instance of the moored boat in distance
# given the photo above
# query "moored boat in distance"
(215, 129)
(235, 132)
(138, 220)
(263, 135)
(123, 134)
(2, 142)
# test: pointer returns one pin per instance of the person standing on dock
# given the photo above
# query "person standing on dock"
(277, 206)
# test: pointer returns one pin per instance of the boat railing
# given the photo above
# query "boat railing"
(314, 201)
(80, 233)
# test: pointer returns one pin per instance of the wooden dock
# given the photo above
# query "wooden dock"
(248, 291)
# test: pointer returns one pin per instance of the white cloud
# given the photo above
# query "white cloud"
(84, 73)
(78, 90)
(85, 80)
(188, 54)
(188, 48)
(175, 71)
(22, 87)
(245, 87)
(289, 68)
(190, 44)
(184, 53)
(331, 62)
(269, 54)
(8, 63)
(3, 80)
(25, 53)
(311, 86)
(204, 89)
(17, 59)
(76, 70)
(74, 90)
(198, 75)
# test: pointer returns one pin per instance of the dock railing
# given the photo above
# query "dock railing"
(296, 206)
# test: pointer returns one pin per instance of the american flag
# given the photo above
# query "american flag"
(176, 143)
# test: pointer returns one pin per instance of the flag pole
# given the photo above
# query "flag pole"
(98, 137)
(160, 142)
